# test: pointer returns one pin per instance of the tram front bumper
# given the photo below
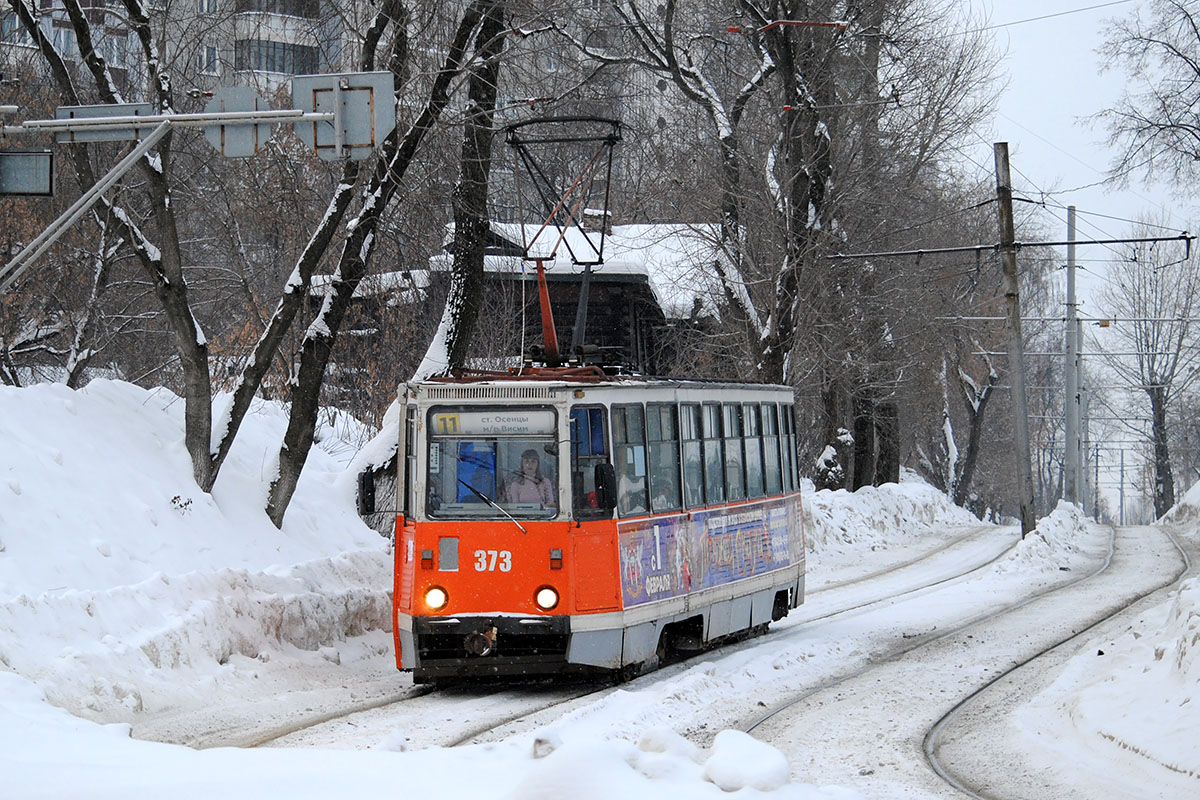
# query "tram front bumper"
(479, 646)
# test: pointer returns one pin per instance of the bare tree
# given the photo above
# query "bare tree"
(1154, 292)
(448, 350)
(398, 153)
(1155, 125)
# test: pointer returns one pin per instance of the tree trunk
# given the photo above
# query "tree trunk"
(862, 408)
(1164, 480)
(887, 427)
(975, 412)
(352, 265)
(469, 199)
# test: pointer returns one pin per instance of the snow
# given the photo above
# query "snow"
(134, 606)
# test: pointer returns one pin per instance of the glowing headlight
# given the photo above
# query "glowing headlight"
(546, 598)
(436, 598)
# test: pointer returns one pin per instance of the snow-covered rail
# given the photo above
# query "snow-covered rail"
(867, 726)
(982, 780)
(485, 713)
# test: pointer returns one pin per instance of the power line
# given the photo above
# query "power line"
(979, 248)
(1046, 16)
(1096, 213)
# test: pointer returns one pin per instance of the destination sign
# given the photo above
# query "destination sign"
(506, 422)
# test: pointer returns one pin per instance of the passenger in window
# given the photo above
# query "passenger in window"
(527, 484)
(631, 491)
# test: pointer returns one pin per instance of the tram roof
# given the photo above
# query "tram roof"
(545, 380)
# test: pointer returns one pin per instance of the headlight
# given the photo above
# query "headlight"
(436, 598)
(546, 598)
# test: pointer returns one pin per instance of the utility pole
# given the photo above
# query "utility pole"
(1122, 491)
(1096, 489)
(1016, 352)
(1085, 446)
(1081, 409)
(1071, 411)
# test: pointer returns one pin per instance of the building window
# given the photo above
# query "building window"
(208, 60)
(12, 31)
(291, 8)
(208, 6)
(267, 56)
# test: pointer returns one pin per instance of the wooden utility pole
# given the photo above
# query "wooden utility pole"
(1016, 350)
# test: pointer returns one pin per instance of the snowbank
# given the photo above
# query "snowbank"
(876, 516)
(1160, 668)
(1185, 513)
(121, 582)
(1050, 545)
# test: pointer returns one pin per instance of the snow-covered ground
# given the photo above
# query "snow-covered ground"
(132, 602)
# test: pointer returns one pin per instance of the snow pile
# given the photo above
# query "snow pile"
(121, 582)
(1185, 513)
(1137, 695)
(875, 516)
(1049, 546)
(663, 764)
(96, 491)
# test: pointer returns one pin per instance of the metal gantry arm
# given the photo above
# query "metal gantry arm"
(162, 123)
(42, 242)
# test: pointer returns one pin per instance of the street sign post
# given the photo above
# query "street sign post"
(27, 172)
(236, 140)
(364, 109)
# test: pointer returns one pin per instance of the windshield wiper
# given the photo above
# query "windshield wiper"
(488, 500)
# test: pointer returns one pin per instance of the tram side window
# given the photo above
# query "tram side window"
(753, 441)
(693, 465)
(662, 432)
(588, 448)
(771, 466)
(788, 420)
(731, 430)
(629, 451)
(714, 462)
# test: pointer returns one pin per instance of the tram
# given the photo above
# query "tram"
(556, 521)
(560, 518)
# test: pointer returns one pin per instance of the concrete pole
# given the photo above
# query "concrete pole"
(1080, 409)
(1070, 371)
(1016, 350)
(1085, 490)
(1122, 515)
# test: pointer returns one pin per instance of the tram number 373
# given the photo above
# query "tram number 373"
(491, 560)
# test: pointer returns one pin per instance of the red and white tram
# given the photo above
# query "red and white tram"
(562, 520)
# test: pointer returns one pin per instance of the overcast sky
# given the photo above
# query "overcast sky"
(1055, 84)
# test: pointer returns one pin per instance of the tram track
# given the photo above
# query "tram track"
(935, 739)
(921, 641)
(949, 550)
(874, 702)
(429, 698)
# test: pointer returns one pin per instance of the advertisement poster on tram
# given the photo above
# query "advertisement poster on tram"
(673, 555)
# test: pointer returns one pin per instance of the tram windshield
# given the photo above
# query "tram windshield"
(492, 463)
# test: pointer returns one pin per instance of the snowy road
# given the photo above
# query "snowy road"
(994, 747)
